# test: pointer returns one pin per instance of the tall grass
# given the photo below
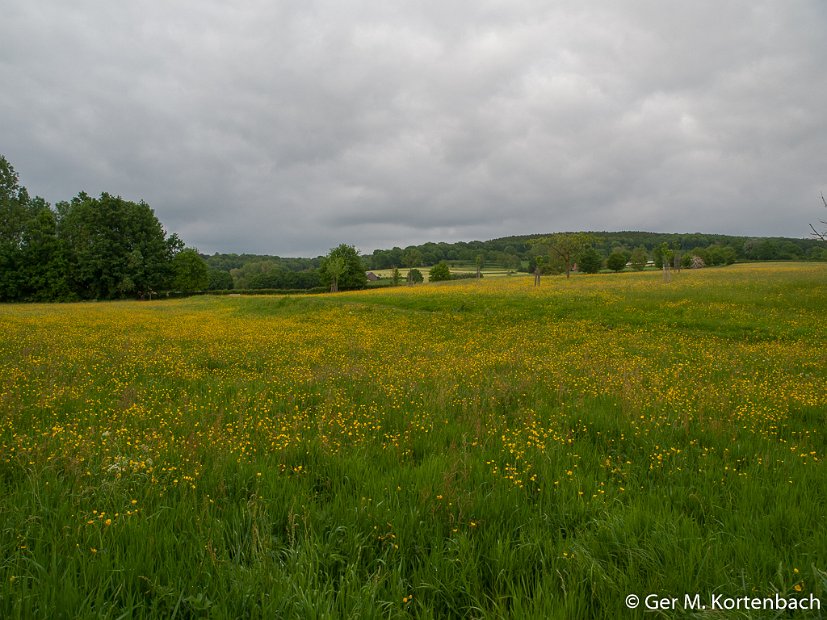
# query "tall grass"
(469, 449)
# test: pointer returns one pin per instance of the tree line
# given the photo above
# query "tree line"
(519, 252)
(87, 248)
(108, 248)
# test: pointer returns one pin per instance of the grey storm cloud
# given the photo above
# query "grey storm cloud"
(290, 127)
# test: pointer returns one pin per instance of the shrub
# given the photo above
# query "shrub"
(440, 272)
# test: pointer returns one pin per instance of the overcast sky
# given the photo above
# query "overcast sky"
(290, 127)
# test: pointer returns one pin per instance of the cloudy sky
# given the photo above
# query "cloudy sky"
(289, 127)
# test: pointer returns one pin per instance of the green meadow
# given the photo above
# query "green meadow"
(469, 449)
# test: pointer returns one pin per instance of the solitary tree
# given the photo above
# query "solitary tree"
(666, 255)
(342, 269)
(479, 260)
(412, 258)
(639, 258)
(567, 246)
(334, 268)
(539, 263)
(616, 261)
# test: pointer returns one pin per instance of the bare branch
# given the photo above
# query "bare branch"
(815, 233)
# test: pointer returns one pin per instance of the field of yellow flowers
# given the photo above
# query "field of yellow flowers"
(465, 449)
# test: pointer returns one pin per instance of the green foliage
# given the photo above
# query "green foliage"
(663, 254)
(333, 268)
(639, 258)
(219, 280)
(440, 272)
(616, 261)
(232, 262)
(520, 251)
(15, 215)
(415, 276)
(115, 248)
(395, 276)
(190, 272)
(565, 248)
(343, 269)
(412, 257)
(589, 260)
(42, 267)
(87, 248)
(278, 278)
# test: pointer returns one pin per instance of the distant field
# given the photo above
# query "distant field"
(492, 272)
(469, 449)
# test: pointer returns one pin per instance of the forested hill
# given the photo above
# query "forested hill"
(517, 252)
(512, 251)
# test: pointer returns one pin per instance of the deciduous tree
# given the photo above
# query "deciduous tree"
(567, 246)
(190, 272)
(616, 261)
(639, 258)
(589, 260)
(343, 269)
(115, 247)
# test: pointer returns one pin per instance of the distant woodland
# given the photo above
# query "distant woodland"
(111, 248)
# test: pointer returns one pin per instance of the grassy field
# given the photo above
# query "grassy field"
(475, 449)
(494, 272)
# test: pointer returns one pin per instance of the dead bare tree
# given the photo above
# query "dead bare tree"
(820, 235)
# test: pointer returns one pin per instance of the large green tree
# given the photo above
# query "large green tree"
(32, 258)
(190, 272)
(589, 260)
(352, 274)
(115, 247)
(564, 248)
(14, 213)
(43, 262)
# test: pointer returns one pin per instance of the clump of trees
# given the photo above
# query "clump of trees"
(712, 256)
(87, 248)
